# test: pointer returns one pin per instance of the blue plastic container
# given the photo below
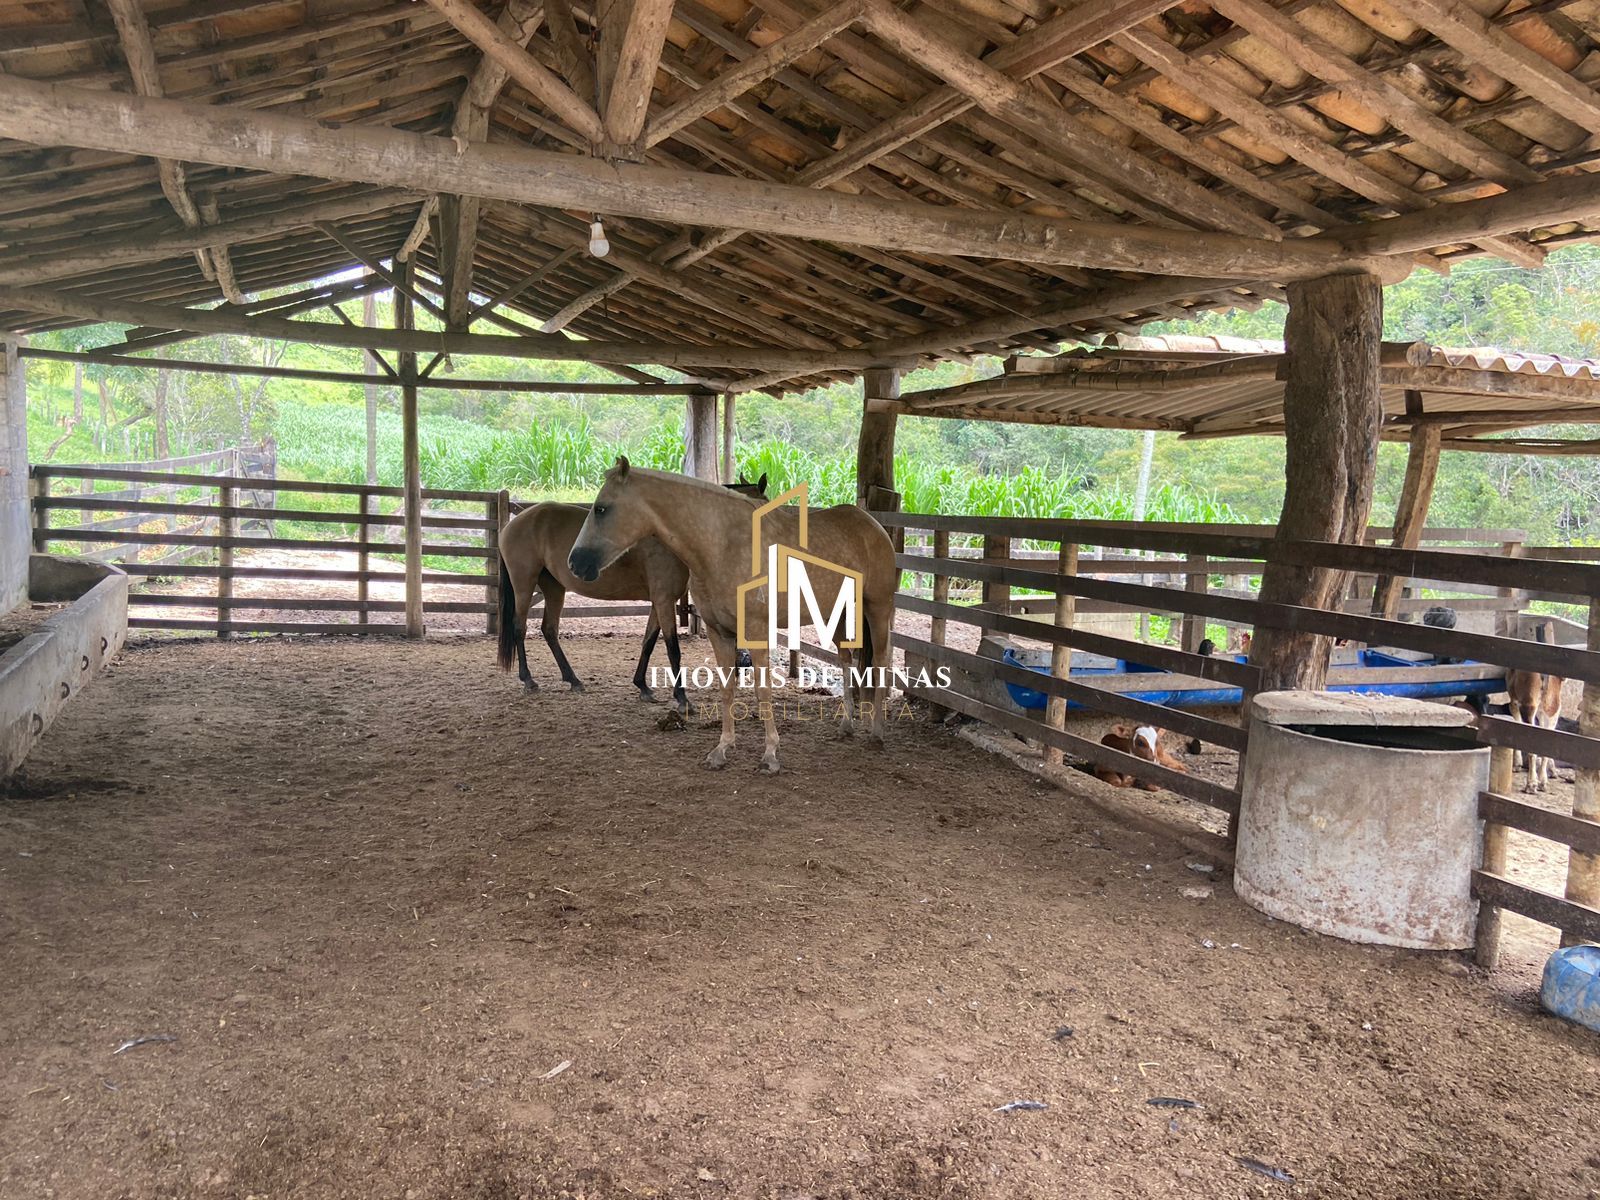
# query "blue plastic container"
(1571, 986)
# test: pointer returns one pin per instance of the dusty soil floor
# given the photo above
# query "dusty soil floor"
(378, 898)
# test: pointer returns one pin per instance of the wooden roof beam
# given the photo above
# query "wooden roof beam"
(422, 341)
(628, 98)
(133, 31)
(1553, 202)
(55, 115)
(459, 219)
(532, 75)
(127, 250)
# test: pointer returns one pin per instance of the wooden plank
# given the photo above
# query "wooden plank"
(51, 115)
(1572, 748)
(94, 503)
(1096, 699)
(1190, 786)
(209, 571)
(212, 542)
(1571, 918)
(1530, 818)
(296, 604)
(1223, 670)
(309, 627)
(1066, 616)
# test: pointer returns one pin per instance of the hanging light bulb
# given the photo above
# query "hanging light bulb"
(598, 246)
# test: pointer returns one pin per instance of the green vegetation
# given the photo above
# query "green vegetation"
(558, 445)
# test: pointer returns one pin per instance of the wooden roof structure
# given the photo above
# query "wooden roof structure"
(794, 190)
(1207, 387)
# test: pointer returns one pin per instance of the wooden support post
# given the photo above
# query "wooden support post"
(730, 472)
(875, 447)
(1506, 623)
(1055, 714)
(40, 490)
(363, 559)
(226, 528)
(1583, 870)
(1486, 947)
(1332, 414)
(1411, 514)
(996, 550)
(700, 437)
(411, 453)
(941, 584)
(492, 510)
(1197, 581)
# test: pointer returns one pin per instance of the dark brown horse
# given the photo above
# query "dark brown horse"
(534, 547)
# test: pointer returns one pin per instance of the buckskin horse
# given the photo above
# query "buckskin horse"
(716, 534)
(533, 561)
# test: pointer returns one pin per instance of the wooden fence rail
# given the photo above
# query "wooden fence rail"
(1189, 555)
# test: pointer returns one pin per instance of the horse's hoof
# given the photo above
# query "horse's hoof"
(717, 759)
(574, 685)
(769, 764)
(529, 686)
(847, 728)
(647, 696)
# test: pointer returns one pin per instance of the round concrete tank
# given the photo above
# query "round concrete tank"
(1359, 817)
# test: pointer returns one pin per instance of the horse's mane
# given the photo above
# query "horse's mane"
(703, 484)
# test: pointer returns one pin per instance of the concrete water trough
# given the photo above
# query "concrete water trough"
(50, 665)
(1359, 817)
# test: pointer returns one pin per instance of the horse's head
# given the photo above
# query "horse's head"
(616, 522)
(744, 487)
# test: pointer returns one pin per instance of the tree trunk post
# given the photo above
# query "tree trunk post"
(875, 447)
(411, 452)
(1411, 515)
(730, 472)
(700, 437)
(1332, 416)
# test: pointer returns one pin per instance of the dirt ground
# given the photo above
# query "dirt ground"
(414, 934)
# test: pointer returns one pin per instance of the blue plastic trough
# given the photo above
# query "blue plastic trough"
(1220, 696)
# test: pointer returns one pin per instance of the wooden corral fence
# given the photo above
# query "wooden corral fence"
(1365, 592)
(97, 518)
(1195, 553)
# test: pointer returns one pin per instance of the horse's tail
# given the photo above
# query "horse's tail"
(507, 646)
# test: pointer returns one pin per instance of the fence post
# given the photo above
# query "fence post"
(41, 514)
(363, 558)
(941, 583)
(1583, 870)
(226, 525)
(1505, 619)
(1061, 656)
(1197, 581)
(498, 509)
(997, 596)
(1486, 946)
